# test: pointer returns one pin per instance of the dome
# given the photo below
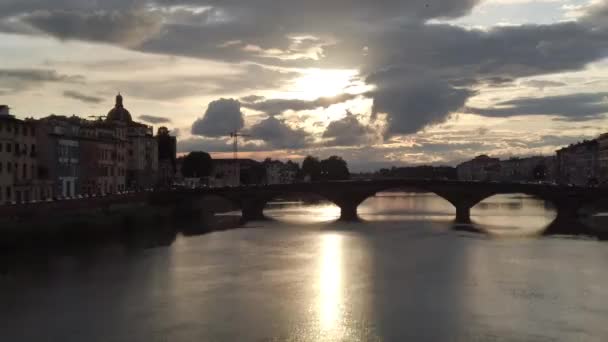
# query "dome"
(119, 113)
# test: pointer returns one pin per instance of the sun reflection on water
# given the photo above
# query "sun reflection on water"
(330, 303)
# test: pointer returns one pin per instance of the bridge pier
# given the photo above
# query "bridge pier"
(567, 221)
(253, 210)
(348, 212)
(463, 214)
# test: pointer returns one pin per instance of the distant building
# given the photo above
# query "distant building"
(231, 172)
(103, 148)
(538, 168)
(19, 180)
(481, 168)
(603, 158)
(142, 147)
(167, 149)
(278, 172)
(417, 172)
(578, 164)
(59, 154)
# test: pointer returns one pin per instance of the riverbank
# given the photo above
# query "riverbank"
(86, 222)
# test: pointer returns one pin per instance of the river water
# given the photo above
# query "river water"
(401, 274)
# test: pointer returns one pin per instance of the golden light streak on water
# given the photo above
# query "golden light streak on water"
(330, 300)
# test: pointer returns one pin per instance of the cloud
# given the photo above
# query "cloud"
(581, 106)
(542, 84)
(252, 98)
(154, 119)
(413, 104)
(222, 117)
(348, 131)
(278, 135)
(278, 106)
(125, 28)
(16, 80)
(216, 145)
(244, 78)
(81, 97)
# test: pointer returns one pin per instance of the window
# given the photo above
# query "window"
(8, 193)
(24, 171)
(1, 147)
(9, 167)
(33, 150)
(33, 171)
(0, 167)
(16, 148)
(8, 147)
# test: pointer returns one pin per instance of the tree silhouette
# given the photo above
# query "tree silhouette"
(196, 165)
(334, 168)
(311, 167)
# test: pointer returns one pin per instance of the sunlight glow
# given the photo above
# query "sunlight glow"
(315, 83)
(330, 285)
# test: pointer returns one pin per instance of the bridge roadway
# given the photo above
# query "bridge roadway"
(463, 195)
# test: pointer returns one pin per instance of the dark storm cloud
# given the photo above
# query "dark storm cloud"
(348, 131)
(82, 97)
(154, 119)
(572, 106)
(278, 106)
(412, 104)
(435, 73)
(222, 117)
(278, 135)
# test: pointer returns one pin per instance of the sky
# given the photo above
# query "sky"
(380, 83)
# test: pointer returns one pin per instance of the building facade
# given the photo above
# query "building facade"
(59, 154)
(236, 172)
(167, 151)
(104, 163)
(278, 172)
(19, 174)
(602, 142)
(481, 168)
(578, 164)
(537, 168)
(141, 147)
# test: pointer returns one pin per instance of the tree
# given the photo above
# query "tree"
(311, 167)
(197, 165)
(334, 168)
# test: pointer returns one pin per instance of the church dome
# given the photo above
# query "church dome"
(119, 113)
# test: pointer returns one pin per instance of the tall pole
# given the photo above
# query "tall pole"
(237, 169)
(235, 149)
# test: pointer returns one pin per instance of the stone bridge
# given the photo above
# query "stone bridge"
(348, 195)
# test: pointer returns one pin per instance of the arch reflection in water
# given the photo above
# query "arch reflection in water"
(298, 210)
(330, 286)
(406, 206)
(513, 214)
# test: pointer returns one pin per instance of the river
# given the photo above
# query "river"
(402, 273)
